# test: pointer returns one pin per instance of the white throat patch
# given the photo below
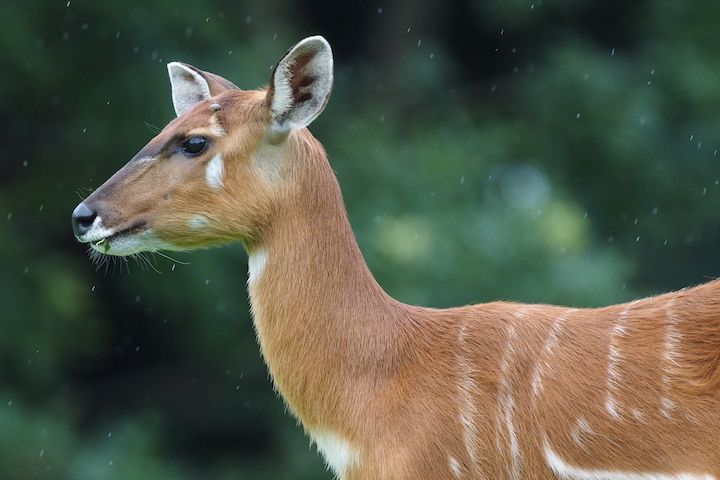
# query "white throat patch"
(339, 453)
(214, 172)
(256, 265)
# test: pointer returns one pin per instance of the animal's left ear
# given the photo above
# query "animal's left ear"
(300, 84)
(190, 86)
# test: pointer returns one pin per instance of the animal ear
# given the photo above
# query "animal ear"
(190, 86)
(300, 84)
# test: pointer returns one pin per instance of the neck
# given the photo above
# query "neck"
(316, 306)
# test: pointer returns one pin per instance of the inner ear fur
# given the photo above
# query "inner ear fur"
(191, 85)
(300, 84)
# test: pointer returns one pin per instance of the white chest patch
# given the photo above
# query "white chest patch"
(339, 454)
(214, 172)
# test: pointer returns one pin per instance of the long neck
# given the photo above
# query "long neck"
(317, 307)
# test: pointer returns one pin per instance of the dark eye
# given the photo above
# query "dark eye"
(194, 145)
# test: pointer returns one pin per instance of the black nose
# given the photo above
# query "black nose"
(82, 219)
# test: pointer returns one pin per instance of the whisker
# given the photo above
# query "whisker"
(101, 260)
(124, 261)
(144, 261)
(153, 128)
(98, 259)
(84, 192)
(139, 259)
(164, 255)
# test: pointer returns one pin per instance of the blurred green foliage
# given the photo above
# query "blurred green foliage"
(560, 151)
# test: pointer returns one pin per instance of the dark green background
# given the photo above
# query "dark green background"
(558, 151)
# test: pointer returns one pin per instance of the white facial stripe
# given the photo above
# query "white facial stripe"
(214, 172)
(198, 222)
(146, 159)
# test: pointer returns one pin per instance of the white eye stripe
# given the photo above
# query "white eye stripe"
(146, 159)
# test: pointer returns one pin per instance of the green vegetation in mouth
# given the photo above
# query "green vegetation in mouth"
(104, 243)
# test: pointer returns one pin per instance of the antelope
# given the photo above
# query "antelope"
(391, 391)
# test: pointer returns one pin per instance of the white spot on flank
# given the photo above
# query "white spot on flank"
(612, 407)
(506, 405)
(615, 357)
(455, 467)
(570, 472)
(581, 433)
(667, 406)
(214, 172)
(468, 394)
(339, 454)
(639, 416)
(548, 351)
(257, 259)
(673, 337)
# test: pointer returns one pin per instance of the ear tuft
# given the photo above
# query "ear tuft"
(300, 84)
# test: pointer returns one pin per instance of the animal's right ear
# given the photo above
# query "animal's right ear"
(190, 86)
(300, 84)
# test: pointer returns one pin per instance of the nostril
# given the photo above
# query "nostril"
(82, 219)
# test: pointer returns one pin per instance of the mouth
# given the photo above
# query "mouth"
(105, 244)
(102, 244)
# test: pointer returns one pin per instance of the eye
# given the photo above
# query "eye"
(194, 145)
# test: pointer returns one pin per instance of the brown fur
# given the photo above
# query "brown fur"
(473, 392)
